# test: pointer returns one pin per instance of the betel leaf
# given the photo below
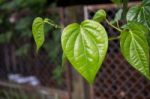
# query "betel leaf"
(135, 49)
(134, 14)
(141, 14)
(85, 46)
(99, 16)
(38, 31)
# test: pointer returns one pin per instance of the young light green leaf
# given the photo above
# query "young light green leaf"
(38, 31)
(85, 46)
(118, 15)
(99, 16)
(134, 47)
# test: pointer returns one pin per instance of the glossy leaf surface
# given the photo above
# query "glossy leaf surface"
(141, 14)
(135, 49)
(38, 31)
(85, 46)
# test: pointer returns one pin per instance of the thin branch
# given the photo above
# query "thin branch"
(118, 24)
(118, 29)
(52, 24)
(114, 38)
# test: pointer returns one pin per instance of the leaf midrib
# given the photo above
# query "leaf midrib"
(85, 53)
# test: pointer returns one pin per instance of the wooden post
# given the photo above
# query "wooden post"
(68, 68)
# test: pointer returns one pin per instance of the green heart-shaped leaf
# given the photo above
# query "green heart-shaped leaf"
(134, 47)
(85, 46)
(38, 31)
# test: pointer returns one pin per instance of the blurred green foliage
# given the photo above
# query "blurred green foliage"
(16, 17)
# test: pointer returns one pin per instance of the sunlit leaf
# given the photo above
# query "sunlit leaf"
(85, 46)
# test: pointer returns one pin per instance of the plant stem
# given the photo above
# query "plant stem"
(52, 24)
(125, 9)
(118, 24)
(114, 38)
(118, 29)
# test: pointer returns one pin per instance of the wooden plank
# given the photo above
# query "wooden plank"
(37, 89)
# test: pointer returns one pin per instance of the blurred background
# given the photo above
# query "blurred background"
(24, 74)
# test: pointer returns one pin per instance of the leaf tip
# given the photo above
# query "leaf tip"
(37, 50)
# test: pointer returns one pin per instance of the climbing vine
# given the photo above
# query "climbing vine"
(85, 45)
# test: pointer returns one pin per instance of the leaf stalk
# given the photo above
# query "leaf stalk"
(52, 24)
(114, 38)
(118, 29)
